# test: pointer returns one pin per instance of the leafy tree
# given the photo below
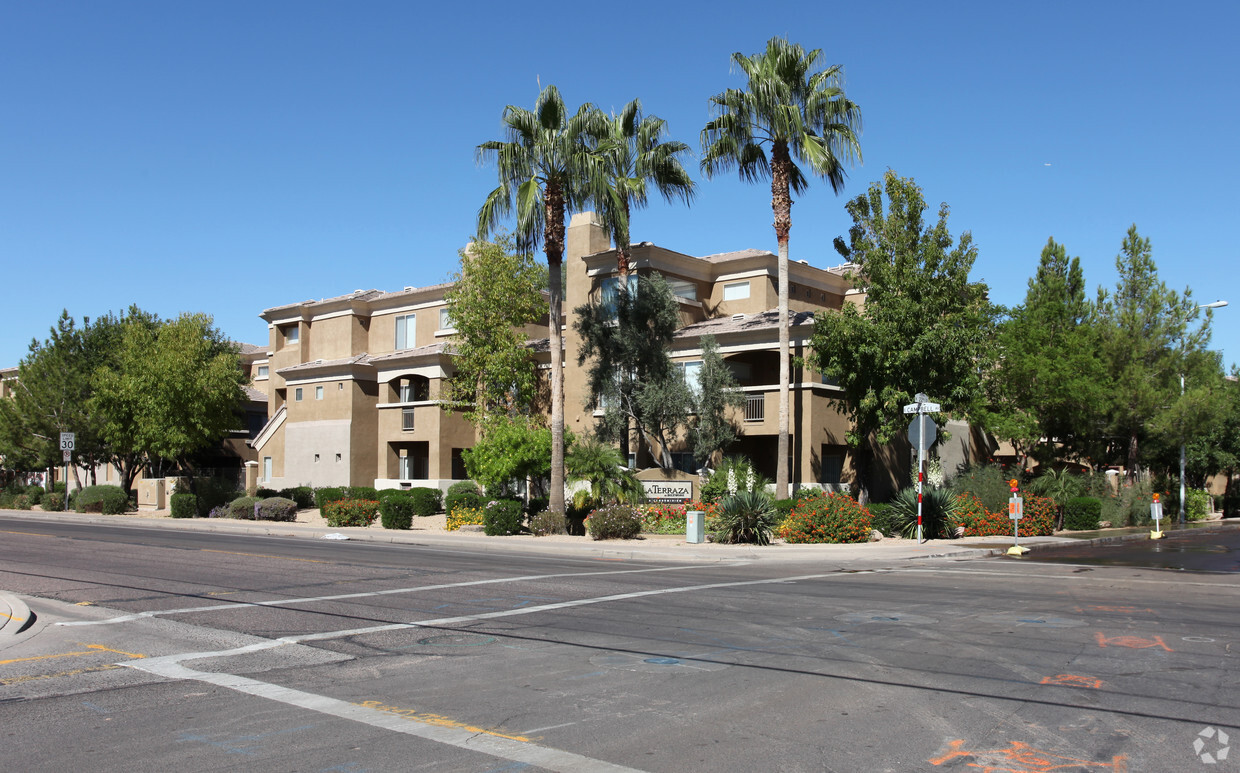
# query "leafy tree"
(1146, 343)
(711, 429)
(546, 169)
(1046, 380)
(511, 448)
(635, 155)
(923, 326)
(174, 389)
(494, 295)
(626, 338)
(798, 114)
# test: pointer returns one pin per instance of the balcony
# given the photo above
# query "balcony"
(755, 407)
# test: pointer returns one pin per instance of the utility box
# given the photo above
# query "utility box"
(695, 526)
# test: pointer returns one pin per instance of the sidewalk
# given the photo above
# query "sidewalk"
(655, 547)
(14, 615)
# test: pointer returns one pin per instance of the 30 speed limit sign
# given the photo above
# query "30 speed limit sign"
(66, 444)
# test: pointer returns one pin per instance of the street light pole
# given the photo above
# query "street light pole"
(1183, 442)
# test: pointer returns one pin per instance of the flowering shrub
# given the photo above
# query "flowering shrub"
(614, 522)
(826, 518)
(672, 519)
(351, 512)
(548, 522)
(276, 509)
(1038, 520)
(464, 516)
(502, 517)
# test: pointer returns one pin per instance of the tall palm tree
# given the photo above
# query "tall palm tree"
(796, 113)
(636, 155)
(547, 168)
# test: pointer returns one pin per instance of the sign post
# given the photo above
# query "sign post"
(918, 435)
(67, 440)
(1016, 511)
(1156, 514)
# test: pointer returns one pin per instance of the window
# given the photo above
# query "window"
(318, 393)
(405, 331)
(292, 334)
(445, 320)
(262, 372)
(684, 462)
(266, 468)
(458, 465)
(683, 289)
(736, 291)
(832, 471)
(691, 372)
(297, 395)
(609, 291)
(406, 420)
(415, 390)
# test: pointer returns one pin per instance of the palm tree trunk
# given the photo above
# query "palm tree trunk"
(622, 268)
(781, 204)
(553, 243)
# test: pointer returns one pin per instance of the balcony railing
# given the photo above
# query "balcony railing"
(755, 407)
(406, 419)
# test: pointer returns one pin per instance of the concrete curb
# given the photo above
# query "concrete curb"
(15, 616)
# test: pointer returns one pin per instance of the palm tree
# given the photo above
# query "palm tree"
(796, 114)
(635, 155)
(546, 169)
(601, 468)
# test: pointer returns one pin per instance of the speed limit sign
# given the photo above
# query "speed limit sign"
(66, 441)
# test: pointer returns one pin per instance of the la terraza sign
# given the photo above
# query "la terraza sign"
(668, 490)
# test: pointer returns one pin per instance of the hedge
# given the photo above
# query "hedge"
(351, 512)
(426, 501)
(111, 500)
(184, 505)
(396, 510)
(1082, 514)
(826, 517)
(502, 517)
(276, 509)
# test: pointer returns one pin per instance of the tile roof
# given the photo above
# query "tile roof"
(766, 320)
(254, 395)
(438, 347)
(361, 359)
(724, 257)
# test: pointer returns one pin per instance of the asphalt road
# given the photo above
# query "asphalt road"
(158, 651)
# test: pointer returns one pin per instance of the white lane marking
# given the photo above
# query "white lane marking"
(549, 727)
(1057, 577)
(368, 594)
(462, 738)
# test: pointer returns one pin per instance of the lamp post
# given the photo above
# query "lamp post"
(1183, 442)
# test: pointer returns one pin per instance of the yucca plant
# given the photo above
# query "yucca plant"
(939, 518)
(746, 516)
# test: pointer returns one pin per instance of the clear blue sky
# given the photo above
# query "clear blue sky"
(230, 156)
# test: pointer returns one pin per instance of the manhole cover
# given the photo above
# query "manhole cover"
(660, 663)
(885, 616)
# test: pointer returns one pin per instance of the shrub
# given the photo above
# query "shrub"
(827, 517)
(53, 501)
(111, 500)
(884, 519)
(396, 510)
(6, 498)
(183, 505)
(1196, 504)
(734, 474)
(219, 511)
(351, 512)
(746, 516)
(537, 505)
(266, 493)
(464, 516)
(548, 523)
(614, 522)
(213, 492)
(666, 519)
(302, 495)
(988, 483)
(938, 513)
(327, 494)
(276, 509)
(368, 493)
(1038, 520)
(35, 493)
(21, 502)
(1082, 514)
(242, 508)
(502, 517)
(463, 493)
(426, 501)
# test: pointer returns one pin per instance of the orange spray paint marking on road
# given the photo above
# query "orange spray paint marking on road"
(1132, 642)
(1023, 758)
(1073, 680)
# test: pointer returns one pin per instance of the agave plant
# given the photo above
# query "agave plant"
(939, 518)
(746, 516)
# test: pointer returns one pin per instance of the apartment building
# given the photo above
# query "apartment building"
(355, 382)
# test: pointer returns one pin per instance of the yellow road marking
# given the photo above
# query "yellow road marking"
(91, 649)
(436, 719)
(221, 592)
(84, 604)
(28, 533)
(19, 679)
(263, 555)
(14, 619)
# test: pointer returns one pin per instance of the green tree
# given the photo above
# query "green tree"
(511, 448)
(924, 327)
(546, 169)
(1046, 380)
(494, 295)
(1147, 341)
(636, 156)
(602, 470)
(795, 113)
(626, 338)
(717, 393)
(174, 389)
